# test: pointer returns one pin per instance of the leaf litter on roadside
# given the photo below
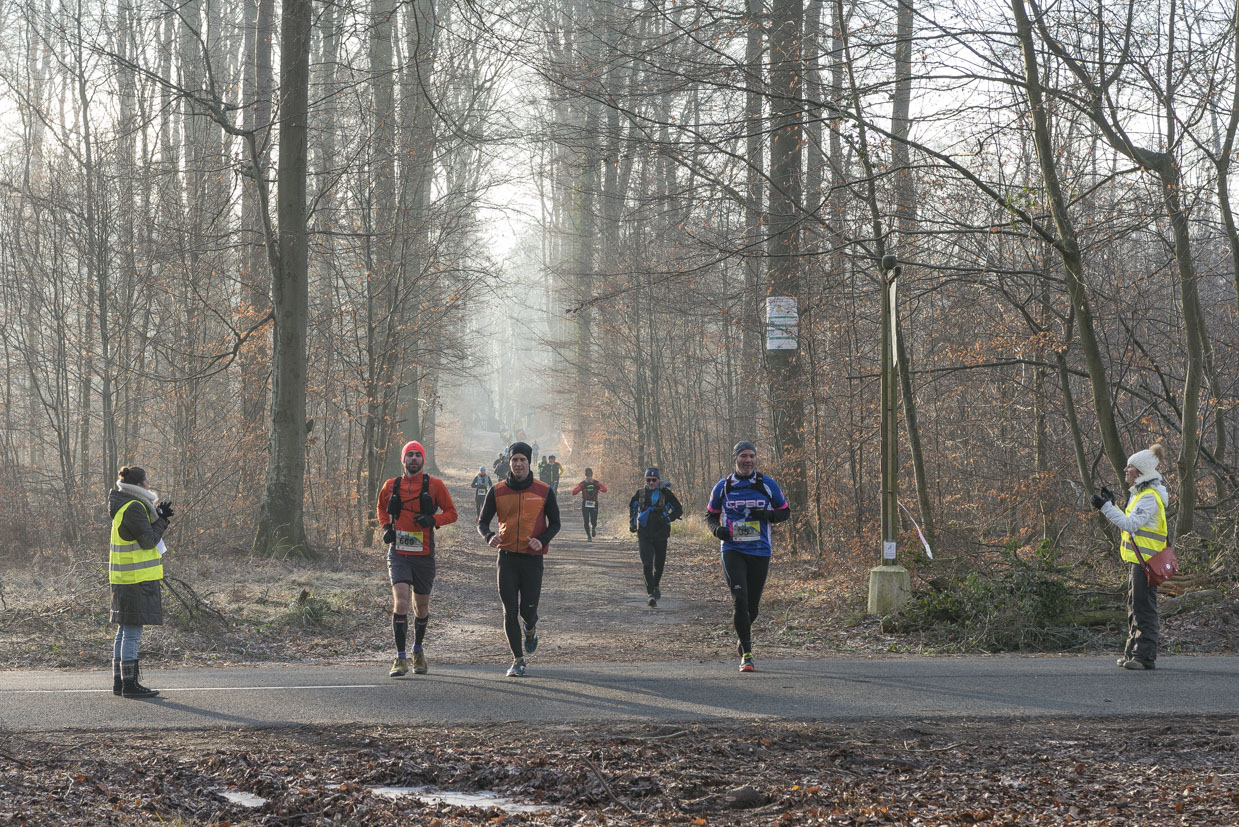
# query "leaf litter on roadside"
(1114, 771)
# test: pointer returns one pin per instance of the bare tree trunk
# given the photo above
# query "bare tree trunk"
(281, 527)
(1068, 247)
(754, 154)
(255, 274)
(783, 239)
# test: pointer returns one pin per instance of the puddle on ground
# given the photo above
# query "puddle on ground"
(483, 798)
(244, 799)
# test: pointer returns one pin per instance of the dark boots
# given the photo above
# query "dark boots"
(130, 687)
(117, 683)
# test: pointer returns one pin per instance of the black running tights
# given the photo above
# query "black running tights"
(520, 585)
(746, 577)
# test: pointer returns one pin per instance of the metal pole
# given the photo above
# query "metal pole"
(890, 432)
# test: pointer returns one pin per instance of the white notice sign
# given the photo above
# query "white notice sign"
(782, 322)
(888, 550)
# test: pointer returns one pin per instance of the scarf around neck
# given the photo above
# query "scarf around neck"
(144, 494)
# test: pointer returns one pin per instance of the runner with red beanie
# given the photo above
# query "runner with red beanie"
(410, 508)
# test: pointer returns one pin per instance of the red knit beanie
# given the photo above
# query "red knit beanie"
(413, 446)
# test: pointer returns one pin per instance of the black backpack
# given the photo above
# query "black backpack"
(426, 503)
(758, 479)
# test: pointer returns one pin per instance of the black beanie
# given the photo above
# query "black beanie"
(521, 448)
(743, 445)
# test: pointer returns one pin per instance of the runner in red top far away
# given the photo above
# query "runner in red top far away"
(589, 489)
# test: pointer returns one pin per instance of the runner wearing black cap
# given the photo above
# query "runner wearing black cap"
(528, 516)
(742, 507)
(480, 485)
(651, 511)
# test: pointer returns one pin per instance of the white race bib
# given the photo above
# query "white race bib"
(409, 542)
(748, 531)
(591, 504)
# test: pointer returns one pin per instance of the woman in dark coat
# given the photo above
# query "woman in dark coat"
(135, 568)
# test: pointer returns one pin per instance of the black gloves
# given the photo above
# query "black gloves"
(759, 513)
(632, 529)
(164, 509)
(389, 536)
(1100, 499)
(425, 520)
(723, 533)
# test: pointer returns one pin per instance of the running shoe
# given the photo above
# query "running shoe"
(1138, 664)
(419, 663)
(653, 602)
(517, 669)
(746, 663)
(531, 640)
(399, 668)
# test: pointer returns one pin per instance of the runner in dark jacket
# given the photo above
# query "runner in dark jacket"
(651, 511)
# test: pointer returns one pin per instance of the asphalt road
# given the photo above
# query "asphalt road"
(843, 689)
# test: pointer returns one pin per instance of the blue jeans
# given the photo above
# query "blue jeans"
(125, 646)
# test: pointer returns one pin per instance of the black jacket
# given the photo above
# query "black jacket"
(658, 521)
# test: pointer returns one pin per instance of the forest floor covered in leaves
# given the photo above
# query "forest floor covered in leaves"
(1133, 771)
(226, 607)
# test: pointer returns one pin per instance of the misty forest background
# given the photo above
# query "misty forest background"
(255, 246)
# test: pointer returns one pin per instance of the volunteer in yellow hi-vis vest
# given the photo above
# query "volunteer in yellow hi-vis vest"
(1144, 526)
(135, 567)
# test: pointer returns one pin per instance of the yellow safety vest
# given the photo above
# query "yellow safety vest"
(1149, 540)
(127, 563)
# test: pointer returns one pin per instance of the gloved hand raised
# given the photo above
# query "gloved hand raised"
(723, 533)
(164, 509)
(389, 536)
(425, 521)
(759, 513)
(1107, 494)
(1097, 500)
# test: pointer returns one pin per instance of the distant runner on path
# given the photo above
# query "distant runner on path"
(651, 511)
(410, 508)
(480, 485)
(589, 488)
(742, 507)
(528, 515)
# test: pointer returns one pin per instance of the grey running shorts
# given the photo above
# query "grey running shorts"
(418, 570)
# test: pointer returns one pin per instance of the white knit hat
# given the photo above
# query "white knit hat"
(1146, 463)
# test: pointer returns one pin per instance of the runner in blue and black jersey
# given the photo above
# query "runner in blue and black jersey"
(742, 507)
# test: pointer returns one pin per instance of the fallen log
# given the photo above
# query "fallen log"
(1188, 602)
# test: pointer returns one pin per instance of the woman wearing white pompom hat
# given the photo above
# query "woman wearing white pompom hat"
(1143, 524)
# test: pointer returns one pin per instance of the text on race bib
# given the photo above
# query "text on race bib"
(747, 531)
(410, 542)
